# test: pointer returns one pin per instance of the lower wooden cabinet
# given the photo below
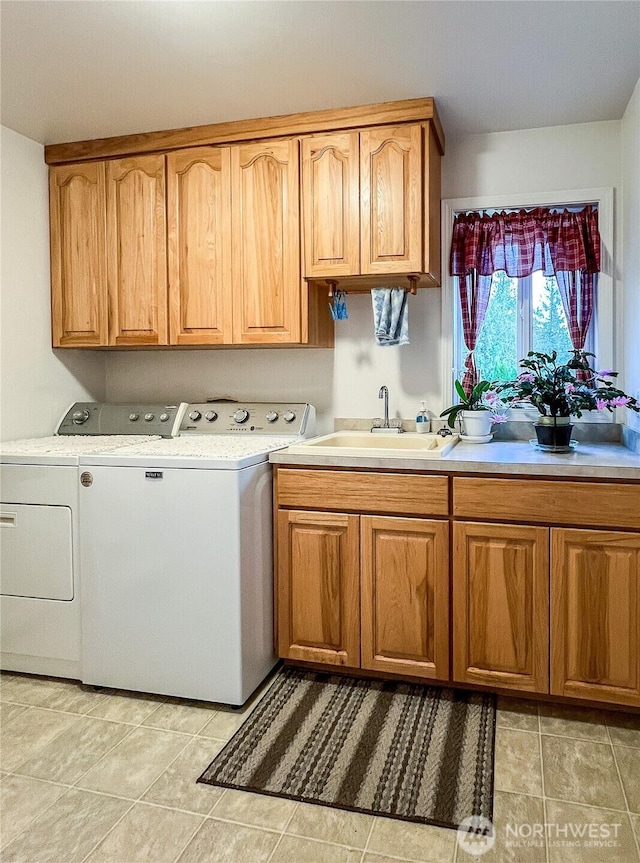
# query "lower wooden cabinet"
(364, 592)
(501, 606)
(405, 596)
(595, 615)
(318, 587)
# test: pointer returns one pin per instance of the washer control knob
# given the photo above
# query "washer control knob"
(164, 418)
(134, 417)
(211, 416)
(195, 416)
(272, 416)
(289, 416)
(241, 415)
(148, 418)
(80, 417)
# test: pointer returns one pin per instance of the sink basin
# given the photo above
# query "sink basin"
(353, 443)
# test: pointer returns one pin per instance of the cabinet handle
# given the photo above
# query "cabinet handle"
(8, 519)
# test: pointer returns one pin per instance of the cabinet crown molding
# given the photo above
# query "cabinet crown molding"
(306, 123)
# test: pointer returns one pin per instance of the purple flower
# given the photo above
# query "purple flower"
(601, 404)
(620, 401)
(498, 418)
(527, 376)
(605, 373)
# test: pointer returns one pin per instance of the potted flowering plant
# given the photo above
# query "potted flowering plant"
(560, 391)
(477, 410)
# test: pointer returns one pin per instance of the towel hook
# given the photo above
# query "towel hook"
(413, 284)
(333, 287)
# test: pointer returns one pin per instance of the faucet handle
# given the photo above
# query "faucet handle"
(376, 422)
(395, 423)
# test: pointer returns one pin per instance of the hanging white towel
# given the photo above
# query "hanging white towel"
(390, 316)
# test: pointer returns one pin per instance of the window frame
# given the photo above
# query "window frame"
(606, 347)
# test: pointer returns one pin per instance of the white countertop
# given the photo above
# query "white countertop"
(601, 460)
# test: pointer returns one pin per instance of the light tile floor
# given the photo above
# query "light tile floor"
(107, 777)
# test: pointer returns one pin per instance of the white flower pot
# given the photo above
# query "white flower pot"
(476, 423)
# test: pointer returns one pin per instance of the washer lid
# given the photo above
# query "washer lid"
(63, 449)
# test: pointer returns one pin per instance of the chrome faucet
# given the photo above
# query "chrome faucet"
(384, 394)
(389, 427)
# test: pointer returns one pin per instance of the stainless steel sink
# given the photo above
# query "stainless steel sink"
(353, 443)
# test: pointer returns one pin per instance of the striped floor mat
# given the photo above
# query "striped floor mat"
(407, 751)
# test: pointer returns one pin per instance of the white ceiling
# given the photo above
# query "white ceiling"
(86, 69)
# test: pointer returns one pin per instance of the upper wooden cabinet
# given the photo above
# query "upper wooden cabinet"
(78, 272)
(136, 251)
(331, 204)
(266, 243)
(391, 203)
(371, 204)
(199, 246)
(193, 237)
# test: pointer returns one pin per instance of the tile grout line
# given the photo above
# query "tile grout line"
(624, 794)
(282, 832)
(366, 844)
(544, 788)
(138, 799)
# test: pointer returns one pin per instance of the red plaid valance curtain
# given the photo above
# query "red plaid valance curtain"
(565, 244)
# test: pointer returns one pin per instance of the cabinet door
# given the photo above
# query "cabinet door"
(266, 243)
(199, 246)
(78, 279)
(330, 203)
(318, 587)
(391, 204)
(405, 596)
(501, 606)
(136, 251)
(595, 615)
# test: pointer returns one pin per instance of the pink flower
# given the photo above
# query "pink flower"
(620, 401)
(527, 376)
(491, 398)
(498, 418)
(601, 404)
(569, 388)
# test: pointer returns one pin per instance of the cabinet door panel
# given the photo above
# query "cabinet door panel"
(405, 596)
(391, 204)
(330, 194)
(501, 606)
(78, 277)
(595, 622)
(318, 587)
(136, 251)
(199, 245)
(266, 243)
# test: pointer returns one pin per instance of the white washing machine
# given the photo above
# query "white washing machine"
(40, 585)
(176, 554)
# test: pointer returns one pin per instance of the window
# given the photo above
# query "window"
(526, 313)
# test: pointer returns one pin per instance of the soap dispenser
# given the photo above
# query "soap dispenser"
(423, 423)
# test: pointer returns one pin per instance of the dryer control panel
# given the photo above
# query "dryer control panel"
(97, 418)
(245, 418)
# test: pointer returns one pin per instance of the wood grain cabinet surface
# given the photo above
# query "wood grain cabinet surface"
(371, 203)
(595, 615)
(501, 606)
(360, 591)
(77, 203)
(193, 237)
(136, 251)
(199, 245)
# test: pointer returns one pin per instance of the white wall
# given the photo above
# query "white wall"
(631, 248)
(345, 382)
(37, 384)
